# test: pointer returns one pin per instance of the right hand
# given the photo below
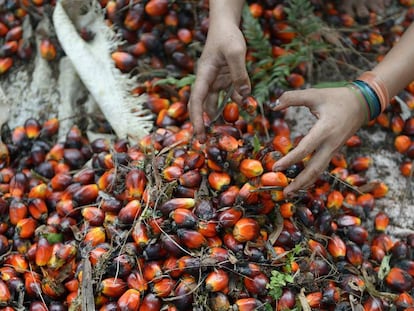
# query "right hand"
(221, 64)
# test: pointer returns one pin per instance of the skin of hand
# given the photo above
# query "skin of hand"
(340, 114)
(362, 8)
(221, 64)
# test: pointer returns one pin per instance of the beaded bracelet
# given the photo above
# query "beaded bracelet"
(378, 86)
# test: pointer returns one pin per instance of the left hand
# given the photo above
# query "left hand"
(339, 114)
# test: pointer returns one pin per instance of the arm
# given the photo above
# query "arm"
(221, 63)
(340, 114)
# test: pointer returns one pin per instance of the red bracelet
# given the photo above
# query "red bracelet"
(378, 86)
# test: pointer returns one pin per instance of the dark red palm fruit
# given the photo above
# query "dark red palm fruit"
(74, 158)
(93, 215)
(354, 254)
(18, 185)
(32, 283)
(374, 304)
(230, 242)
(229, 217)
(247, 195)
(150, 302)
(135, 183)
(383, 241)
(257, 284)
(217, 281)
(191, 238)
(228, 197)
(304, 215)
(130, 212)
(5, 295)
(156, 7)
(331, 295)
(172, 204)
(399, 280)
(231, 112)
(38, 306)
(32, 128)
(171, 243)
(17, 211)
(190, 179)
(317, 248)
(406, 265)
(14, 34)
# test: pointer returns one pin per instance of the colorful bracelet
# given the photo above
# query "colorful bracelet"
(361, 100)
(370, 97)
(378, 86)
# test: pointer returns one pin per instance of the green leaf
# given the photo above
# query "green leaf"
(384, 268)
(54, 238)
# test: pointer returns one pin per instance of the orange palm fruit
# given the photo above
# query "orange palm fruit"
(397, 124)
(334, 200)
(249, 104)
(25, 228)
(44, 252)
(32, 128)
(229, 217)
(336, 247)
(113, 287)
(17, 211)
(269, 159)
(135, 183)
(95, 236)
(247, 195)
(172, 172)
(380, 190)
(152, 271)
(251, 168)
(231, 112)
(219, 301)
(401, 143)
(47, 49)
(276, 179)
(4, 293)
(246, 229)
(317, 248)
(130, 212)
(348, 220)
(361, 163)
(93, 215)
(164, 287)
(18, 185)
(339, 160)
(247, 304)
(18, 262)
(314, 299)
(40, 191)
(124, 61)
(190, 179)
(191, 238)
(184, 218)
(217, 280)
(5, 64)
(136, 281)
(405, 168)
(381, 221)
(156, 7)
(130, 300)
(60, 181)
(282, 144)
(404, 300)
(399, 280)
(219, 181)
(280, 127)
(50, 127)
(295, 80)
(207, 228)
(228, 143)
(172, 204)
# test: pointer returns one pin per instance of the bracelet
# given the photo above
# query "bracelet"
(378, 86)
(361, 100)
(370, 97)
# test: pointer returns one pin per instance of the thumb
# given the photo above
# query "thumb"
(306, 98)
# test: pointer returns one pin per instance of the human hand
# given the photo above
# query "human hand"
(221, 64)
(339, 115)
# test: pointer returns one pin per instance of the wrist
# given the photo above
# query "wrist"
(228, 11)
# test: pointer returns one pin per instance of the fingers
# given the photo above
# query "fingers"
(237, 64)
(310, 174)
(210, 104)
(199, 93)
(306, 146)
(297, 98)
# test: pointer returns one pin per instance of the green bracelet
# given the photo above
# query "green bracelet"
(361, 100)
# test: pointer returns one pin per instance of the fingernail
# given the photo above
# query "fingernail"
(244, 90)
(273, 105)
(276, 168)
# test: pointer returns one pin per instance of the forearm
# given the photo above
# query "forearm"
(226, 10)
(397, 67)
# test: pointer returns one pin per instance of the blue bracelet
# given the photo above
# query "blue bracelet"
(371, 98)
